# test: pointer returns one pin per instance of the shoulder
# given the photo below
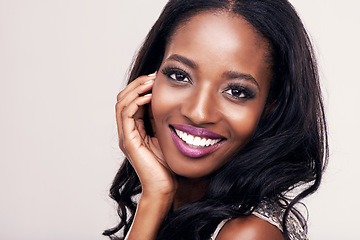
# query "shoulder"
(249, 228)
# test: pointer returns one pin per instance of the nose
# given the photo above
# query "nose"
(201, 106)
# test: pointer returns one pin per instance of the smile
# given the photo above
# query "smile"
(195, 142)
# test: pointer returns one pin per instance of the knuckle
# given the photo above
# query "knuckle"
(124, 113)
(120, 95)
(118, 106)
(118, 109)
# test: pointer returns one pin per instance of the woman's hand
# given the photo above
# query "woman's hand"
(158, 182)
(143, 151)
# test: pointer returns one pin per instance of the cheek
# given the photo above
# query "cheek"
(244, 121)
(163, 99)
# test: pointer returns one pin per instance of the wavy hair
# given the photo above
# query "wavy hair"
(289, 149)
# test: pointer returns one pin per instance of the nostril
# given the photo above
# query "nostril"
(200, 106)
(199, 115)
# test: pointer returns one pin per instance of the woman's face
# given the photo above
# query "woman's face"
(210, 92)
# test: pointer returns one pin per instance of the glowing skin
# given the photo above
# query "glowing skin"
(212, 84)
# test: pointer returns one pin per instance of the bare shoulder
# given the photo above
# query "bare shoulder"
(249, 228)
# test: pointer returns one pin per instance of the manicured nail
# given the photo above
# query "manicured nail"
(148, 82)
(152, 75)
(148, 95)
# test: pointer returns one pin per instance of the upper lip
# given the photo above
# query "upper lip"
(195, 131)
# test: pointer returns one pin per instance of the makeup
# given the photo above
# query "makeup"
(209, 95)
(195, 142)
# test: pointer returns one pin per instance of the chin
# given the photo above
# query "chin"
(193, 168)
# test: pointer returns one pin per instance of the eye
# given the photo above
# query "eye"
(239, 92)
(177, 75)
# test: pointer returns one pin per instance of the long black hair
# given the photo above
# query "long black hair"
(289, 148)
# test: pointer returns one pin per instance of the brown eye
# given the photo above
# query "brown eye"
(179, 77)
(176, 74)
(238, 93)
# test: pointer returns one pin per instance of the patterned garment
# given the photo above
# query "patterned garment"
(273, 214)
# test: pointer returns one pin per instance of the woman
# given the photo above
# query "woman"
(221, 122)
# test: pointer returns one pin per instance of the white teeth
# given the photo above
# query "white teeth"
(203, 142)
(195, 140)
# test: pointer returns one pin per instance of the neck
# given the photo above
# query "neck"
(189, 190)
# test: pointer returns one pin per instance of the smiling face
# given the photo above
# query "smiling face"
(210, 92)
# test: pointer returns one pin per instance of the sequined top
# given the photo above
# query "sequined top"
(273, 214)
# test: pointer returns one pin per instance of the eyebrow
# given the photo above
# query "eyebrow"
(228, 74)
(239, 75)
(181, 59)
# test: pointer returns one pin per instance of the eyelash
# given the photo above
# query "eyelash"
(229, 90)
(170, 71)
(247, 92)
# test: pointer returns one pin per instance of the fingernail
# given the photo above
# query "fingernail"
(148, 82)
(152, 75)
(148, 95)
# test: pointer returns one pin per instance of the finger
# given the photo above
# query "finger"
(138, 87)
(130, 133)
(131, 96)
(136, 92)
(139, 81)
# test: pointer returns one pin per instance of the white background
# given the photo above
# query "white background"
(62, 62)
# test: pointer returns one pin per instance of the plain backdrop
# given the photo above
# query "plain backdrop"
(62, 62)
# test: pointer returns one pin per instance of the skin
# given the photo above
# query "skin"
(212, 52)
(249, 228)
(219, 46)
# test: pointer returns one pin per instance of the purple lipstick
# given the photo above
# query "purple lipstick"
(195, 142)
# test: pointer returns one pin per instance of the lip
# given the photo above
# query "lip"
(193, 152)
(199, 132)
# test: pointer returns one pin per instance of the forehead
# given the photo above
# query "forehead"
(231, 25)
(219, 39)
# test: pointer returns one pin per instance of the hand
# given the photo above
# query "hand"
(143, 151)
